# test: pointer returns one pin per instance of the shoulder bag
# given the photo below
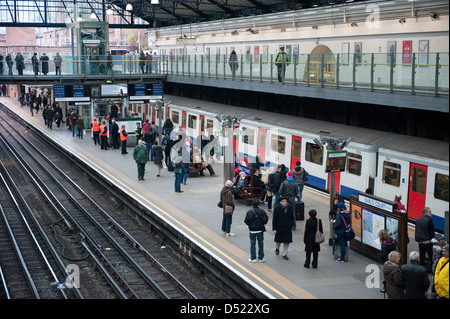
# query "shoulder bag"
(349, 232)
(320, 238)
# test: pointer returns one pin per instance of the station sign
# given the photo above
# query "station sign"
(72, 93)
(336, 161)
(113, 90)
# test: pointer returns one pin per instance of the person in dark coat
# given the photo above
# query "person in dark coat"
(309, 238)
(44, 59)
(115, 134)
(49, 116)
(157, 157)
(275, 182)
(35, 63)
(339, 228)
(391, 271)
(424, 234)
(167, 127)
(282, 223)
(227, 200)
(415, 278)
(387, 245)
(20, 64)
(255, 219)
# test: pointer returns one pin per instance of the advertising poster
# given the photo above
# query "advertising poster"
(356, 221)
(256, 53)
(423, 52)
(392, 228)
(406, 52)
(372, 223)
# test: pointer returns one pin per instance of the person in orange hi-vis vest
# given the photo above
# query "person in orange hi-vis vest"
(104, 136)
(96, 131)
(123, 138)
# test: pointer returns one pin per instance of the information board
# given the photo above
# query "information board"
(336, 161)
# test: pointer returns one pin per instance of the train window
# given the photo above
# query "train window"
(192, 122)
(314, 153)
(202, 123)
(248, 135)
(441, 187)
(209, 125)
(354, 163)
(176, 117)
(418, 180)
(183, 119)
(262, 139)
(391, 173)
(296, 148)
(277, 143)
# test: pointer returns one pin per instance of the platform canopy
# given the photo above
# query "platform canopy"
(142, 13)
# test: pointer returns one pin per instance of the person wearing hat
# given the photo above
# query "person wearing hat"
(282, 223)
(441, 279)
(342, 218)
(281, 61)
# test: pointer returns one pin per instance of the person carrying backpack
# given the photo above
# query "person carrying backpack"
(255, 219)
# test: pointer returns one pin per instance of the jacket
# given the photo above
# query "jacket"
(275, 181)
(339, 225)
(157, 154)
(386, 247)
(140, 154)
(255, 219)
(309, 236)
(424, 229)
(288, 188)
(227, 197)
(415, 279)
(299, 175)
(282, 222)
(441, 278)
(394, 287)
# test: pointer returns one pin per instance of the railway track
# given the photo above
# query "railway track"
(81, 225)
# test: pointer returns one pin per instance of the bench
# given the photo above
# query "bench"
(250, 192)
(195, 168)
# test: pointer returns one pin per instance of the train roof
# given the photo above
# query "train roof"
(368, 137)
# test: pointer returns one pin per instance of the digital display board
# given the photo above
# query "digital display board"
(145, 91)
(67, 93)
(336, 161)
(113, 90)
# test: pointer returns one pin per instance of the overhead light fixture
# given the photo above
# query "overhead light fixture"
(155, 2)
(434, 16)
(402, 20)
(353, 24)
(93, 16)
(129, 7)
(109, 11)
(79, 18)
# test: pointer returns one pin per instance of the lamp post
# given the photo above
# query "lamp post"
(333, 144)
(229, 122)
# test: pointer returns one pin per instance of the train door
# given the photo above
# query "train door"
(417, 190)
(296, 151)
(261, 148)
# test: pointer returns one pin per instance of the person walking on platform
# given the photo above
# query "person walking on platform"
(58, 61)
(142, 62)
(103, 136)
(109, 63)
(255, 219)
(138, 131)
(150, 137)
(233, 63)
(228, 207)
(140, 155)
(281, 62)
(44, 59)
(49, 117)
(72, 119)
(339, 226)
(123, 139)
(95, 125)
(9, 63)
(115, 134)
(424, 234)
(58, 119)
(80, 127)
(282, 223)
(20, 64)
(300, 176)
(309, 239)
(157, 157)
(415, 278)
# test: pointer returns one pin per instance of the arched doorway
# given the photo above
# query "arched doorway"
(315, 65)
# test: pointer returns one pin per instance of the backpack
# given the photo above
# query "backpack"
(349, 232)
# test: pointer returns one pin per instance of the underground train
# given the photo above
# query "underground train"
(389, 164)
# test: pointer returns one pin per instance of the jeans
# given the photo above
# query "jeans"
(226, 222)
(260, 238)
(185, 175)
(178, 178)
(291, 206)
(150, 150)
(342, 243)
(300, 190)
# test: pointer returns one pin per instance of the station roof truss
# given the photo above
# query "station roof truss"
(145, 13)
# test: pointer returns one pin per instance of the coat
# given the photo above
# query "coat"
(339, 225)
(44, 59)
(394, 288)
(424, 229)
(79, 124)
(288, 188)
(275, 181)
(255, 219)
(282, 222)
(299, 173)
(386, 247)
(157, 154)
(226, 197)
(35, 63)
(415, 279)
(140, 154)
(441, 277)
(309, 236)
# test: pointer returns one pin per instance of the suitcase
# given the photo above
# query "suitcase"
(299, 211)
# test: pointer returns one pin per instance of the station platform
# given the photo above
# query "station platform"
(195, 213)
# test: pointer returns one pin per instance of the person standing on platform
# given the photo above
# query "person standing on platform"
(424, 234)
(391, 272)
(179, 170)
(441, 279)
(49, 117)
(1, 64)
(138, 131)
(150, 137)
(282, 223)
(20, 64)
(115, 134)
(309, 239)
(103, 136)
(58, 119)
(95, 125)
(44, 59)
(288, 189)
(9, 63)
(167, 127)
(80, 127)
(281, 62)
(72, 119)
(123, 138)
(35, 63)
(300, 176)
(157, 153)
(415, 278)
(148, 63)
(109, 63)
(342, 219)
(140, 155)
(387, 245)
(58, 62)
(227, 200)
(233, 63)
(255, 219)
(142, 62)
